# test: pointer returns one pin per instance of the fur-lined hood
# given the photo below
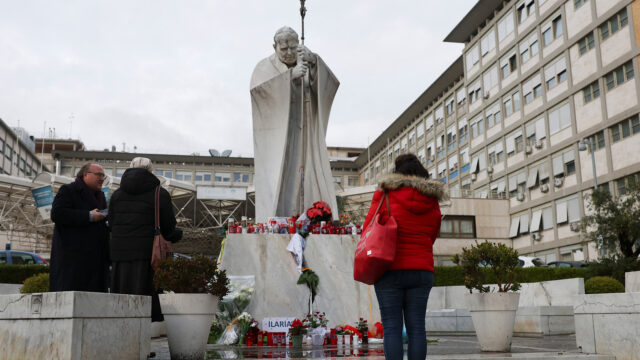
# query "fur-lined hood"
(428, 187)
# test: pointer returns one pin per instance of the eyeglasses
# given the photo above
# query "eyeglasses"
(98, 174)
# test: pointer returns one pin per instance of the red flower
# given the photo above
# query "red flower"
(296, 323)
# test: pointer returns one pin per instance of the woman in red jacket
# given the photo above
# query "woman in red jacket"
(403, 290)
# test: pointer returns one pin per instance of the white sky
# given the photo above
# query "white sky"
(173, 76)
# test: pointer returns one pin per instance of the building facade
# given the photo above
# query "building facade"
(505, 120)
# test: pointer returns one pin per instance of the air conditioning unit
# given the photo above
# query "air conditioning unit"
(520, 196)
(528, 149)
(539, 144)
(490, 169)
(558, 182)
(544, 188)
(575, 226)
(474, 177)
(487, 95)
(536, 236)
(432, 158)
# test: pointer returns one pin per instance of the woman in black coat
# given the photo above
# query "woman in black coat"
(132, 223)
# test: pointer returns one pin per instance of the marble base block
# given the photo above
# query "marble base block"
(632, 282)
(449, 322)
(609, 324)
(6, 289)
(265, 256)
(75, 325)
(544, 320)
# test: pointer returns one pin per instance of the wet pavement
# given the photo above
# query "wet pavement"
(444, 347)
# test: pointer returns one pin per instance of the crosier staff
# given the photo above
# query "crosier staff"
(304, 92)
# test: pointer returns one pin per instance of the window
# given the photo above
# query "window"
(597, 140)
(564, 164)
(8, 151)
(420, 130)
(615, 23)
(429, 122)
(623, 184)
(478, 162)
(464, 155)
(440, 145)
(203, 176)
(442, 168)
(542, 219)
(509, 64)
(586, 43)
(515, 143)
(412, 138)
(525, 10)
(532, 89)
(494, 115)
(619, 75)
(458, 227)
(496, 153)
(517, 183)
(450, 106)
(591, 91)
(475, 92)
(490, 78)
(477, 127)
(534, 130)
(463, 130)
(439, 114)
(567, 210)
(505, 26)
(353, 181)
(184, 175)
(556, 73)
(552, 30)
(404, 144)
(451, 138)
(430, 153)
(453, 167)
(473, 57)
(461, 96)
(529, 47)
(578, 3)
(222, 177)
(488, 42)
(559, 118)
(625, 128)
(511, 103)
(537, 173)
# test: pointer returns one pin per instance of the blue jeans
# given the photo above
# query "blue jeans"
(404, 294)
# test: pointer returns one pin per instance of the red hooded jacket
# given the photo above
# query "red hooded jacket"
(414, 205)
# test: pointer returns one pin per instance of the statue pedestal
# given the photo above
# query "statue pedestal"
(276, 293)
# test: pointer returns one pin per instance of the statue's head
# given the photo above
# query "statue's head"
(285, 43)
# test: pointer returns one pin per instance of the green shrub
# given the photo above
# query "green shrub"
(486, 258)
(36, 284)
(454, 275)
(17, 274)
(196, 275)
(602, 284)
(614, 267)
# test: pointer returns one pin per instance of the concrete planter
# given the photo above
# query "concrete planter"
(188, 318)
(493, 316)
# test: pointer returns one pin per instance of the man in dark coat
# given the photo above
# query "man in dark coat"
(79, 253)
(132, 223)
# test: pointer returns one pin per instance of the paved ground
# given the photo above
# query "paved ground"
(447, 347)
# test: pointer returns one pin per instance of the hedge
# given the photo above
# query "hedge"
(453, 275)
(16, 274)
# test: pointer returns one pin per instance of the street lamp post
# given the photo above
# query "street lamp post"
(582, 146)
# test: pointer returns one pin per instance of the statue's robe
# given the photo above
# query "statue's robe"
(278, 139)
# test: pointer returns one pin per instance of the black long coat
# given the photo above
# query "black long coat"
(79, 253)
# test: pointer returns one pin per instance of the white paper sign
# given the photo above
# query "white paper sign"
(277, 324)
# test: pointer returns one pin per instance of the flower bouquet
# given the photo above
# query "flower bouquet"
(296, 331)
(317, 322)
(244, 321)
(320, 211)
(363, 328)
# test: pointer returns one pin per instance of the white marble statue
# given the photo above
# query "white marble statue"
(289, 129)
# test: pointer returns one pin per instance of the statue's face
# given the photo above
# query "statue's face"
(286, 48)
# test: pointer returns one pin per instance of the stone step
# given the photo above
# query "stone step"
(524, 356)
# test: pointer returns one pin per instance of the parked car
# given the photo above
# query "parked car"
(574, 264)
(15, 257)
(528, 261)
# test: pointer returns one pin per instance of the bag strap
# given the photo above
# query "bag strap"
(384, 197)
(156, 206)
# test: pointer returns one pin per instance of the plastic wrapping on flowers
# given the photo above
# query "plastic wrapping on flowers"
(225, 328)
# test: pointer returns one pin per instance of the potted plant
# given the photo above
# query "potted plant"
(295, 332)
(493, 313)
(192, 288)
(317, 323)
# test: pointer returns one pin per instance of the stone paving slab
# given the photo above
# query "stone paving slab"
(562, 347)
